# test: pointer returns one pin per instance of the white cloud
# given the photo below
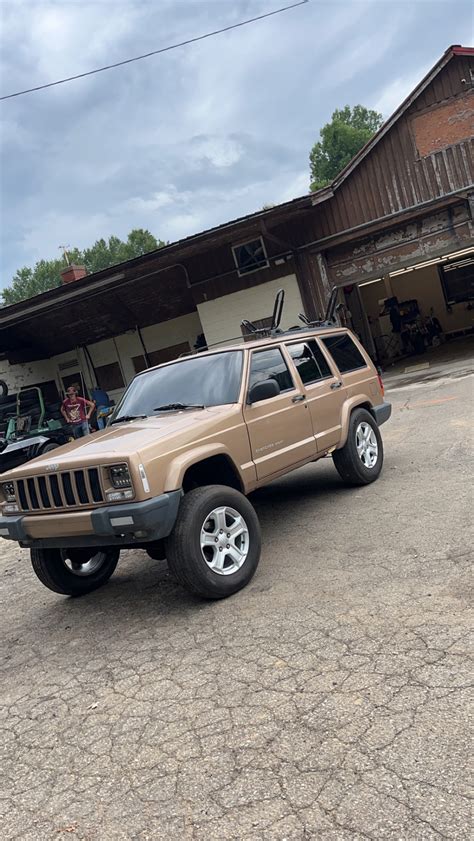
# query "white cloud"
(195, 137)
(397, 91)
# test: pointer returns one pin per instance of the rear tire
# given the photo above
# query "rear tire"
(214, 548)
(74, 572)
(360, 460)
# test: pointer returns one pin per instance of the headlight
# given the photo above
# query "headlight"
(120, 476)
(8, 489)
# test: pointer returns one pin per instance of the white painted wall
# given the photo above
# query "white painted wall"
(157, 336)
(18, 376)
(222, 317)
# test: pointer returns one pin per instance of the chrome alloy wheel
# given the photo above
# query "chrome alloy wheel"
(367, 446)
(77, 562)
(224, 540)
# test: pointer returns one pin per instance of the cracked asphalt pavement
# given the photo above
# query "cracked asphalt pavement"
(327, 700)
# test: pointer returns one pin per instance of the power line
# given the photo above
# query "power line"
(156, 52)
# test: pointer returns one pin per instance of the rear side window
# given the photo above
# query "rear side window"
(309, 361)
(344, 352)
(270, 365)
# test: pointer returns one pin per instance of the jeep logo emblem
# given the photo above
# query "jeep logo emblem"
(51, 467)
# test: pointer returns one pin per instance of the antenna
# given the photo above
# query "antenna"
(64, 248)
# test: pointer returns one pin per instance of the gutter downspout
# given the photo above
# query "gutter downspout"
(145, 352)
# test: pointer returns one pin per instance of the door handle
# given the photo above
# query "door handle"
(299, 398)
(336, 385)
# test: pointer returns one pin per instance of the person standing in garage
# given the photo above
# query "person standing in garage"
(77, 412)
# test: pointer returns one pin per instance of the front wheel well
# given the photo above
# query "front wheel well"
(215, 470)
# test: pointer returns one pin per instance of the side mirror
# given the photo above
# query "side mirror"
(263, 390)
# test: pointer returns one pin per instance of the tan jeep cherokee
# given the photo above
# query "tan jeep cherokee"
(187, 443)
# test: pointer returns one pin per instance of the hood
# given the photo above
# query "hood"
(123, 440)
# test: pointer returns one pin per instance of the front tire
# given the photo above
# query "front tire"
(360, 460)
(49, 447)
(214, 548)
(74, 572)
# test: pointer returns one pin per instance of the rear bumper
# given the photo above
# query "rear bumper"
(382, 412)
(112, 525)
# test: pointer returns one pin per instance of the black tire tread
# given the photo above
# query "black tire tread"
(346, 460)
(50, 570)
(177, 545)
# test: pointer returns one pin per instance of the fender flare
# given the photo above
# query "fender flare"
(359, 400)
(179, 465)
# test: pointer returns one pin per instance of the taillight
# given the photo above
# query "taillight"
(382, 387)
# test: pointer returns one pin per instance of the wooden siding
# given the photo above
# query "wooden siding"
(393, 176)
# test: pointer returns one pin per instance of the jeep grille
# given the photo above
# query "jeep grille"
(71, 489)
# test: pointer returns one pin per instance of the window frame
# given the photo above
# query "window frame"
(306, 342)
(243, 272)
(265, 349)
(330, 354)
(115, 366)
(450, 302)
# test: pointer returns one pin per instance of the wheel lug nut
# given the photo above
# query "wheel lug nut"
(220, 548)
(228, 546)
(217, 540)
(228, 535)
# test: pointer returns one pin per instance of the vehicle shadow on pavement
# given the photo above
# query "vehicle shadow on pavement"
(142, 590)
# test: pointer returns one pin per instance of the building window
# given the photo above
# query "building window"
(457, 281)
(270, 365)
(158, 357)
(310, 362)
(250, 256)
(344, 352)
(109, 377)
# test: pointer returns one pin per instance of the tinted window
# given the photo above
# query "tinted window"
(344, 352)
(309, 361)
(205, 381)
(270, 365)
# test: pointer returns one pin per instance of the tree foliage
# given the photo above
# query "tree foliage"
(46, 274)
(341, 138)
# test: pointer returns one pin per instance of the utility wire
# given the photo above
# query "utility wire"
(156, 52)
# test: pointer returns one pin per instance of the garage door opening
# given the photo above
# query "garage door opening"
(414, 309)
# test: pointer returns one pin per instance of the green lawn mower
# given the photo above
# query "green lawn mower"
(31, 430)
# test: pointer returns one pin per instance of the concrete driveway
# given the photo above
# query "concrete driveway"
(327, 700)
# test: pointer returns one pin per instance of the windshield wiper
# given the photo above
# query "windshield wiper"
(169, 407)
(127, 418)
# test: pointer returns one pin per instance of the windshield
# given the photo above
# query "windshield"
(197, 381)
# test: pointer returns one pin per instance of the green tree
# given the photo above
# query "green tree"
(46, 274)
(349, 130)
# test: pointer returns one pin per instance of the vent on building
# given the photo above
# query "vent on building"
(71, 363)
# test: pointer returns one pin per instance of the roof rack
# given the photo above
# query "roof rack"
(274, 330)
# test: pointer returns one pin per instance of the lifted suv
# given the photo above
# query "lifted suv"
(188, 442)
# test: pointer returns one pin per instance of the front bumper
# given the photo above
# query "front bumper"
(110, 525)
(382, 412)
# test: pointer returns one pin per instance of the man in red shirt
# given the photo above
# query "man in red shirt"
(76, 411)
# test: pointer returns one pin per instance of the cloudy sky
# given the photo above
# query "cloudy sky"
(186, 140)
